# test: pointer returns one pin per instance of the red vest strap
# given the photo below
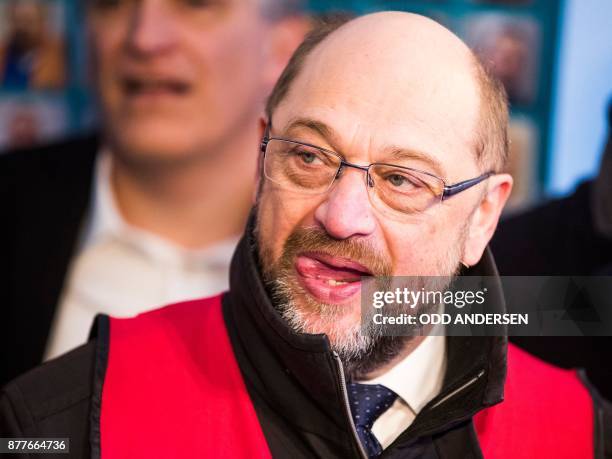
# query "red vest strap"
(547, 413)
(173, 388)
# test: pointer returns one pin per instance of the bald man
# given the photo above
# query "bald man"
(381, 154)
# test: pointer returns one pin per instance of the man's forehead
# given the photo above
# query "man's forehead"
(397, 75)
(384, 59)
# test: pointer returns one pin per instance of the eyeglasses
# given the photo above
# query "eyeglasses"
(310, 170)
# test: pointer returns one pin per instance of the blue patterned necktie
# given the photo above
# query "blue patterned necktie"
(368, 402)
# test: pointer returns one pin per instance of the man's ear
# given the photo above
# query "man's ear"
(485, 217)
(284, 36)
(261, 128)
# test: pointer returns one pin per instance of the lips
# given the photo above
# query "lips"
(330, 279)
(153, 86)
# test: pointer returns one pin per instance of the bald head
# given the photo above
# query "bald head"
(402, 49)
(395, 68)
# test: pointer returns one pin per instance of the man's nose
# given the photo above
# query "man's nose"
(346, 211)
(153, 27)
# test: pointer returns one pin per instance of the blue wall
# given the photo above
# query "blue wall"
(584, 86)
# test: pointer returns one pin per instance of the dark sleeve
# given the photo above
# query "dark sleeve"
(10, 426)
(606, 433)
(602, 413)
(53, 401)
(603, 426)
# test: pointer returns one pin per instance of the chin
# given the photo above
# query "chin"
(336, 321)
(159, 141)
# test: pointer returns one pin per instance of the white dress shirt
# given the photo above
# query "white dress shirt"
(122, 270)
(416, 380)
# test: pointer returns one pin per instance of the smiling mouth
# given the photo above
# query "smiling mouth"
(330, 279)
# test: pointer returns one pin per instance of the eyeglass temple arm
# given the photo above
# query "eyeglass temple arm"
(266, 137)
(452, 190)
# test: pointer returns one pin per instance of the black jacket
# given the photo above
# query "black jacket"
(558, 238)
(44, 197)
(295, 383)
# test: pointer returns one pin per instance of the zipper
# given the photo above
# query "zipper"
(439, 402)
(347, 405)
(459, 389)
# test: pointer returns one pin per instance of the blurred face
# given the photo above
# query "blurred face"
(177, 77)
(27, 21)
(315, 248)
(509, 58)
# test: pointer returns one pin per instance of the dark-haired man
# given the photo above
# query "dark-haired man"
(381, 154)
(150, 211)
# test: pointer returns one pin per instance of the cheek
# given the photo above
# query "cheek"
(229, 62)
(415, 248)
(106, 40)
(279, 216)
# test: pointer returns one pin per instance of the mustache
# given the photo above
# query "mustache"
(313, 239)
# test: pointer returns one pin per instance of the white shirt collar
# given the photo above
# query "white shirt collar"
(105, 218)
(418, 377)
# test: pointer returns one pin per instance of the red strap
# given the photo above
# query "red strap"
(173, 388)
(547, 413)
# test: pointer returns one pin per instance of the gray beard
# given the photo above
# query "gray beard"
(362, 350)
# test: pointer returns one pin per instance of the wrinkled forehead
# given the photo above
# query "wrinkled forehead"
(376, 86)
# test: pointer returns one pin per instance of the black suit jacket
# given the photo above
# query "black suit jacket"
(44, 197)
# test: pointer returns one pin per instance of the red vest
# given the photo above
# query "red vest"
(173, 389)
(547, 413)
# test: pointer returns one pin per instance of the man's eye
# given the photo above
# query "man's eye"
(307, 157)
(398, 180)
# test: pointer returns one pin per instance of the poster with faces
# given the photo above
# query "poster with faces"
(510, 45)
(32, 45)
(27, 121)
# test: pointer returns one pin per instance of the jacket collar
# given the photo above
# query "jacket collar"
(295, 373)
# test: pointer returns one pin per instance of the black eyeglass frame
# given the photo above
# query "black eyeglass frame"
(448, 190)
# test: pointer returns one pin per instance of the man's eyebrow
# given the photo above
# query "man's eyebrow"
(391, 154)
(322, 129)
(406, 154)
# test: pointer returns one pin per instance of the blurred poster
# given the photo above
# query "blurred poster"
(523, 162)
(510, 45)
(29, 121)
(505, 2)
(32, 44)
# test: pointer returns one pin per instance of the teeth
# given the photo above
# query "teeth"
(334, 282)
